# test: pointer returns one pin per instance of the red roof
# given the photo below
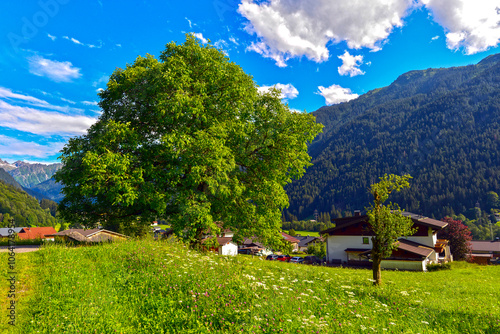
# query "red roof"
(289, 238)
(29, 233)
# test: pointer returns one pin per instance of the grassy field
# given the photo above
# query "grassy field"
(158, 287)
(304, 233)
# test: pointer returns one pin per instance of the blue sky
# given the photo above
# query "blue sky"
(55, 55)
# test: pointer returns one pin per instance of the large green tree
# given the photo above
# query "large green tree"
(189, 139)
(386, 220)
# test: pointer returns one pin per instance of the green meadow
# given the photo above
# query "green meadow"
(161, 287)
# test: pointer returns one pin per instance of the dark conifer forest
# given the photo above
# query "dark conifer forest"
(442, 126)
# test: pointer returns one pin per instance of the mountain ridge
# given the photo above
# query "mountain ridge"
(440, 125)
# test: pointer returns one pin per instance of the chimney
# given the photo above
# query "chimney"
(357, 213)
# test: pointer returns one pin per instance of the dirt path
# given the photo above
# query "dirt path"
(21, 249)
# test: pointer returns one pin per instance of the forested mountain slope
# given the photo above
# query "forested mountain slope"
(17, 204)
(442, 126)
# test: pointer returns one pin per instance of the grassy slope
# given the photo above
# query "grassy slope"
(157, 287)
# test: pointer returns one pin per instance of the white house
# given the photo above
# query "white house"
(226, 244)
(349, 243)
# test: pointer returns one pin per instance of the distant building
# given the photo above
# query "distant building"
(32, 233)
(349, 243)
(91, 235)
(485, 252)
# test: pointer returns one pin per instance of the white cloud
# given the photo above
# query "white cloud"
(68, 101)
(199, 35)
(294, 28)
(74, 40)
(233, 40)
(6, 93)
(59, 71)
(350, 65)
(190, 23)
(471, 25)
(13, 146)
(53, 38)
(90, 103)
(221, 44)
(434, 38)
(42, 122)
(288, 91)
(336, 94)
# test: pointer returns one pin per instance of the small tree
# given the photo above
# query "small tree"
(386, 221)
(459, 237)
(292, 232)
(317, 249)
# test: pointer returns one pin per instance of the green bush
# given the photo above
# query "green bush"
(438, 266)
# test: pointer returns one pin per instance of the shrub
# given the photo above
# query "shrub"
(438, 266)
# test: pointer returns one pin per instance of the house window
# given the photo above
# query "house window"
(365, 241)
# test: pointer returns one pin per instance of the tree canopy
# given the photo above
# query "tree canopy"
(386, 221)
(189, 139)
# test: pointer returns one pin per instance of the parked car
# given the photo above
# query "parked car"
(271, 257)
(284, 258)
(250, 251)
(311, 259)
(297, 259)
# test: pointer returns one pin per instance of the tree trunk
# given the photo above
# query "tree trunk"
(377, 273)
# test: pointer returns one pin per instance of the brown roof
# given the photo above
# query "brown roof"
(345, 222)
(485, 246)
(412, 247)
(289, 238)
(224, 240)
(433, 223)
(85, 233)
(252, 241)
(35, 232)
(415, 247)
(417, 219)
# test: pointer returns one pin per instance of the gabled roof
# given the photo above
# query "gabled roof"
(341, 223)
(28, 233)
(410, 246)
(4, 231)
(224, 240)
(432, 223)
(221, 240)
(485, 246)
(415, 247)
(84, 233)
(304, 241)
(253, 241)
(289, 238)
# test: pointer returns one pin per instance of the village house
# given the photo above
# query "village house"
(292, 240)
(32, 233)
(87, 236)
(226, 244)
(485, 252)
(349, 243)
(306, 241)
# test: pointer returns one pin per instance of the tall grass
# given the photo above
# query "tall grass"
(160, 287)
